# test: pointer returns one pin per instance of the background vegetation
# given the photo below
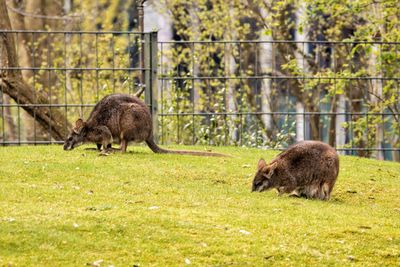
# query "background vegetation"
(264, 78)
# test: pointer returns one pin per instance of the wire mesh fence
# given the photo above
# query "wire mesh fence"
(66, 72)
(261, 93)
(273, 93)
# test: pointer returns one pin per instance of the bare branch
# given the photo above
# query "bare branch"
(389, 107)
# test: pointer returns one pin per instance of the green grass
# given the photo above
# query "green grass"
(72, 208)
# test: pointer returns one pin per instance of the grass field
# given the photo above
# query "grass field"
(76, 208)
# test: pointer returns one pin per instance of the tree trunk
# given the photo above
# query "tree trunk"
(302, 64)
(377, 89)
(14, 86)
(24, 59)
(9, 122)
(339, 121)
(300, 123)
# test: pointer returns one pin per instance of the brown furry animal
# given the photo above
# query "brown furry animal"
(123, 118)
(308, 168)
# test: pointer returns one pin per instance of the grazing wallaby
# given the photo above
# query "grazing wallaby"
(308, 168)
(120, 117)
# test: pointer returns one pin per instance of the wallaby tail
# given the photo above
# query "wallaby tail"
(156, 149)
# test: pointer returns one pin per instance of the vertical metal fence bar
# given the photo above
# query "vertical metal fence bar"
(286, 99)
(147, 65)
(162, 91)
(193, 94)
(65, 81)
(382, 84)
(48, 81)
(209, 93)
(34, 86)
(97, 66)
(130, 63)
(113, 62)
(153, 83)
(2, 107)
(151, 91)
(397, 83)
(226, 66)
(240, 109)
(351, 137)
(304, 85)
(257, 92)
(81, 71)
(18, 101)
(2, 113)
(241, 129)
(176, 85)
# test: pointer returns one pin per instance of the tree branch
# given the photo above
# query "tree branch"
(27, 14)
(13, 85)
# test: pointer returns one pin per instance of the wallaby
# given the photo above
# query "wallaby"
(306, 169)
(123, 118)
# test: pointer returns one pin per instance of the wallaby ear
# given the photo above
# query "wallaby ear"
(79, 123)
(272, 168)
(261, 164)
(78, 126)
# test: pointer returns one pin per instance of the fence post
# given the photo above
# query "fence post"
(151, 92)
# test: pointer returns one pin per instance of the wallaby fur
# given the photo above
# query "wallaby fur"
(123, 118)
(308, 168)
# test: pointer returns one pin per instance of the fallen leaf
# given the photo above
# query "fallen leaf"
(96, 263)
(154, 208)
(187, 261)
(244, 232)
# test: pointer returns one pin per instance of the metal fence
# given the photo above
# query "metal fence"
(245, 93)
(68, 72)
(273, 93)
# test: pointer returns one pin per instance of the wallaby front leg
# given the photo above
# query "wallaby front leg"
(124, 145)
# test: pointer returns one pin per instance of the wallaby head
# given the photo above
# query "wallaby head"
(262, 180)
(76, 136)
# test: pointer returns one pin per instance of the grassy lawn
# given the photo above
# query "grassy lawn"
(76, 208)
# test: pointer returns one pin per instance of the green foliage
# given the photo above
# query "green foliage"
(192, 72)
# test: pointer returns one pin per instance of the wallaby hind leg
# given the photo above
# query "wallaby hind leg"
(325, 191)
(311, 191)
